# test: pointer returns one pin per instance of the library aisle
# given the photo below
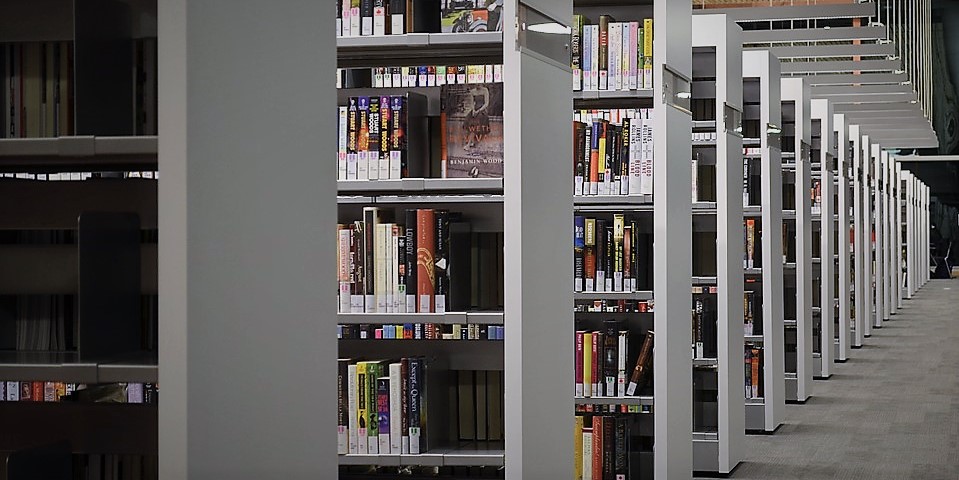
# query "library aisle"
(891, 412)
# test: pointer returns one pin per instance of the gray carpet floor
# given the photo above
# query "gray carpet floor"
(890, 412)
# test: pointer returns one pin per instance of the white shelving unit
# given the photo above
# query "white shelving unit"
(879, 226)
(762, 116)
(844, 175)
(889, 237)
(910, 222)
(823, 144)
(858, 171)
(796, 100)
(898, 204)
(717, 63)
(670, 217)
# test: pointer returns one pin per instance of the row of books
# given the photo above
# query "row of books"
(115, 467)
(752, 235)
(704, 333)
(753, 361)
(420, 331)
(583, 406)
(38, 89)
(420, 267)
(604, 448)
(815, 195)
(382, 406)
(418, 76)
(37, 391)
(752, 313)
(607, 254)
(602, 361)
(373, 137)
(78, 176)
(479, 405)
(614, 306)
(612, 55)
(613, 152)
(356, 18)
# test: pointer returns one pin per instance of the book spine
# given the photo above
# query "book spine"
(396, 404)
(588, 149)
(411, 263)
(609, 447)
(619, 226)
(441, 260)
(372, 408)
(602, 252)
(352, 138)
(602, 167)
(383, 413)
(580, 338)
(589, 255)
(366, 17)
(643, 362)
(587, 47)
(579, 243)
(748, 361)
(397, 13)
(404, 405)
(341, 163)
(399, 237)
(594, 58)
(596, 361)
(343, 262)
(576, 54)
(587, 356)
(380, 23)
(756, 379)
(603, 49)
(578, 448)
(610, 358)
(373, 138)
(648, 53)
(621, 446)
(352, 389)
(633, 58)
(385, 143)
(362, 406)
(621, 352)
(598, 446)
(342, 407)
(414, 405)
(379, 267)
(425, 255)
(627, 259)
(588, 453)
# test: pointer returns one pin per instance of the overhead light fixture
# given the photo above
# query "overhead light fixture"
(551, 28)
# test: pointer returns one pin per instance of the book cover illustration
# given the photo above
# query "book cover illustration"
(458, 16)
(473, 130)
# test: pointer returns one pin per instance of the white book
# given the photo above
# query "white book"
(389, 264)
(635, 156)
(647, 154)
(373, 165)
(397, 24)
(594, 56)
(352, 406)
(13, 391)
(362, 166)
(586, 51)
(355, 22)
(630, 46)
(621, 364)
(615, 55)
(366, 26)
(379, 21)
(588, 454)
(396, 409)
(351, 166)
(379, 269)
(695, 165)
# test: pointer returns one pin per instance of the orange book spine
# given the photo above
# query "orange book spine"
(425, 259)
(597, 447)
(755, 373)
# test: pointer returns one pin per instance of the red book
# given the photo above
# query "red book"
(597, 365)
(597, 447)
(425, 259)
(37, 395)
(579, 363)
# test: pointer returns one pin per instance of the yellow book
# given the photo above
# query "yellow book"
(587, 364)
(362, 418)
(578, 448)
(648, 38)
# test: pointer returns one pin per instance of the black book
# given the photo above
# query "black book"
(600, 254)
(610, 257)
(441, 259)
(410, 260)
(620, 464)
(610, 357)
(459, 270)
(609, 448)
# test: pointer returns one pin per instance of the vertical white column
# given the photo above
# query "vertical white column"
(877, 218)
(729, 225)
(822, 110)
(858, 173)
(910, 235)
(672, 236)
(538, 315)
(890, 234)
(845, 264)
(798, 90)
(247, 209)
(865, 238)
(897, 224)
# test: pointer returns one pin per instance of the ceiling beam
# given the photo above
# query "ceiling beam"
(845, 10)
(874, 32)
(842, 66)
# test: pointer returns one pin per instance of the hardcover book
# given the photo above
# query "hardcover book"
(472, 124)
(457, 16)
